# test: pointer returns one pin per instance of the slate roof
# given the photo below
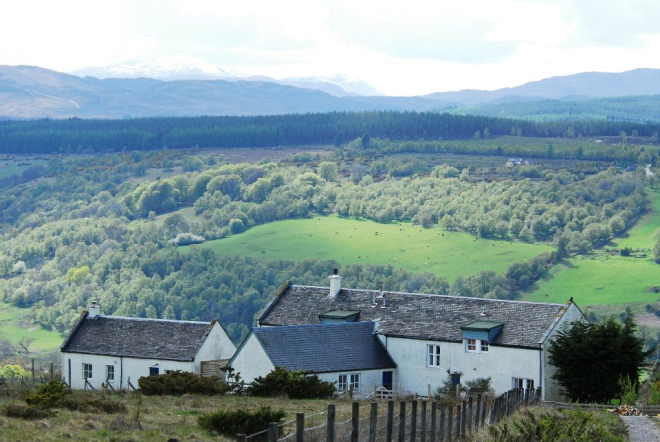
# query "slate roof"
(137, 337)
(418, 316)
(324, 348)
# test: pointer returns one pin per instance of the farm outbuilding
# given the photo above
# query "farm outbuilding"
(115, 350)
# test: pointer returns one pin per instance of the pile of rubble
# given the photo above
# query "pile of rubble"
(626, 410)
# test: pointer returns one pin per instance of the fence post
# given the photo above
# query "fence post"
(422, 423)
(402, 421)
(429, 396)
(375, 388)
(330, 430)
(442, 423)
(300, 427)
(240, 438)
(390, 421)
(469, 418)
(464, 419)
(477, 415)
(493, 412)
(272, 432)
(355, 422)
(483, 412)
(413, 421)
(450, 423)
(434, 412)
(373, 422)
(400, 391)
(458, 422)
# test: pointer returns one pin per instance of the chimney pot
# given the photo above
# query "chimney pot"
(335, 284)
(94, 310)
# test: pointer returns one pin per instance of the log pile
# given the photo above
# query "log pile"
(626, 410)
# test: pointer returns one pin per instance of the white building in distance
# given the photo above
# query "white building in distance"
(113, 350)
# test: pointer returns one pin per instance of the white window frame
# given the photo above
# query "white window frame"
(342, 382)
(354, 382)
(109, 372)
(433, 355)
(523, 383)
(88, 371)
(480, 345)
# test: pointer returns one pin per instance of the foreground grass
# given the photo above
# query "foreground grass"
(349, 241)
(547, 424)
(16, 324)
(161, 418)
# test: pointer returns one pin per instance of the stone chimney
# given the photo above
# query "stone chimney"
(94, 310)
(335, 284)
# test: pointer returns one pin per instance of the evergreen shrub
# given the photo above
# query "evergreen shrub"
(240, 421)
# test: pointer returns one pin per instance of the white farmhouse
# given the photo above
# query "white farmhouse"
(430, 337)
(347, 354)
(113, 350)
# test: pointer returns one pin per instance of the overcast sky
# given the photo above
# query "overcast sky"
(402, 47)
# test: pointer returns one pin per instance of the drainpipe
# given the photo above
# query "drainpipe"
(541, 371)
(121, 372)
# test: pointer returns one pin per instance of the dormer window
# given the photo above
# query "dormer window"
(478, 335)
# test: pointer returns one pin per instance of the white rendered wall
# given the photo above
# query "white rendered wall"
(217, 346)
(501, 364)
(367, 379)
(132, 367)
(552, 390)
(252, 361)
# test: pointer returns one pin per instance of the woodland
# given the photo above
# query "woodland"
(104, 228)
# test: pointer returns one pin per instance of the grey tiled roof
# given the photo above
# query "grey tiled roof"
(137, 337)
(418, 316)
(324, 348)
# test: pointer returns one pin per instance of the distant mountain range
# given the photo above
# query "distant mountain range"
(570, 87)
(33, 92)
(185, 67)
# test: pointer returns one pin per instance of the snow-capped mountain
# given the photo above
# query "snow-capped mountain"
(186, 67)
(177, 67)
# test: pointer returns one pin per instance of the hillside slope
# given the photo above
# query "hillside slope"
(33, 92)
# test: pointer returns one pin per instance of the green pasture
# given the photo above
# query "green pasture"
(639, 237)
(600, 279)
(16, 324)
(9, 167)
(349, 241)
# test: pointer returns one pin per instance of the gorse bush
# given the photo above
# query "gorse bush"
(22, 411)
(181, 382)
(55, 395)
(294, 384)
(46, 396)
(241, 421)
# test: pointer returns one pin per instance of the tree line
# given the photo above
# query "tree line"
(92, 135)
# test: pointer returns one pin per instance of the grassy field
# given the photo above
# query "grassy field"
(14, 325)
(639, 237)
(16, 166)
(349, 241)
(162, 418)
(600, 279)
(603, 279)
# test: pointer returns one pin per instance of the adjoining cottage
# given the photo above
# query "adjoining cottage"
(112, 349)
(432, 336)
(347, 354)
